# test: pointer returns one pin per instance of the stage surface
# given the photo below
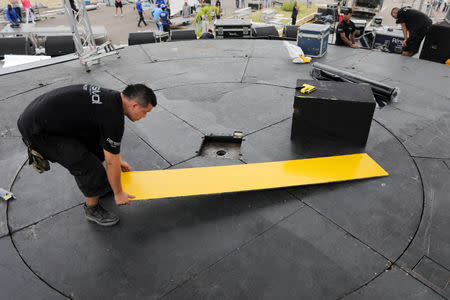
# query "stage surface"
(380, 238)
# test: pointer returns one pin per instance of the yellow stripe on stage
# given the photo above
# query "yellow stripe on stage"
(246, 177)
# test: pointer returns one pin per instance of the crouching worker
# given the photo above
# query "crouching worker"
(414, 22)
(345, 31)
(12, 16)
(80, 127)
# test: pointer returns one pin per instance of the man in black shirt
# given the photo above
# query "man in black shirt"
(207, 35)
(345, 31)
(79, 127)
(294, 13)
(414, 21)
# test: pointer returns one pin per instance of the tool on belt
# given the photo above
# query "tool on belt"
(40, 164)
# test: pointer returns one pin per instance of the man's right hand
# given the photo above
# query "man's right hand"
(404, 43)
(122, 198)
(354, 46)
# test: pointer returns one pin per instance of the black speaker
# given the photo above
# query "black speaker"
(138, 38)
(183, 35)
(437, 43)
(336, 110)
(59, 45)
(266, 31)
(290, 31)
(16, 45)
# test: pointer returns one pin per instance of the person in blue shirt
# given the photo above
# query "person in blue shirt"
(139, 10)
(160, 2)
(12, 17)
(196, 6)
(155, 14)
(164, 17)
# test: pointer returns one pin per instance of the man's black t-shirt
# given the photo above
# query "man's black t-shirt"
(87, 112)
(347, 29)
(414, 19)
(294, 11)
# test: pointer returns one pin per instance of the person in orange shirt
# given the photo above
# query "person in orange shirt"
(28, 10)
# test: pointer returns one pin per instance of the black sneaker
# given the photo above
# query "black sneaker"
(100, 215)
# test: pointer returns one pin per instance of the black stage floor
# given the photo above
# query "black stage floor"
(385, 238)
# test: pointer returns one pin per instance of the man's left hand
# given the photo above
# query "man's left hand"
(404, 43)
(125, 166)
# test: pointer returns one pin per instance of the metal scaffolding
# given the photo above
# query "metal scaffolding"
(88, 53)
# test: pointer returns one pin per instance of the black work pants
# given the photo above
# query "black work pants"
(81, 157)
(166, 28)
(141, 19)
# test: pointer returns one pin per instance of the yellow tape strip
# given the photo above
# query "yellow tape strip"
(246, 177)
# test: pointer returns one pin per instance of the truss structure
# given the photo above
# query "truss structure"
(87, 51)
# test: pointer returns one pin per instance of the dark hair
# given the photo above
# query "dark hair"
(348, 11)
(9, 7)
(141, 93)
(394, 9)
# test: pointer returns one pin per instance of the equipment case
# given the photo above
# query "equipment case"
(313, 39)
(389, 41)
(232, 28)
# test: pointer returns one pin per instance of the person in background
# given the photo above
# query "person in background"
(345, 31)
(118, 4)
(294, 13)
(15, 5)
(242, 3)
(309, 3)
(155, 14)
(186, 12)
(428, 8)
(207, 35)
(416, 23)
(219, 6)
(12, 16)
(138, 7)
(28, 10)
(267, 3)
(197, 6)
(164, 18)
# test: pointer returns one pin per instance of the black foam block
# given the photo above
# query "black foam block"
(336, 110)
(16, 45)
(138, 38)
(290, 31)
(183, 35)
(59, 45)
(437, 43)
(266, 31)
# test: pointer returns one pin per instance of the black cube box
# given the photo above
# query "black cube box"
(336, 110)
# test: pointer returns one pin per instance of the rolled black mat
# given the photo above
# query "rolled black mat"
(381, 91)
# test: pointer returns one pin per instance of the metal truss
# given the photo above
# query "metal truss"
(88, 53)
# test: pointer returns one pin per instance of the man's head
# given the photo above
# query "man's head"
(9, 7)
(347, 15)
(394, 12)
(137, 101)
(163, 7)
